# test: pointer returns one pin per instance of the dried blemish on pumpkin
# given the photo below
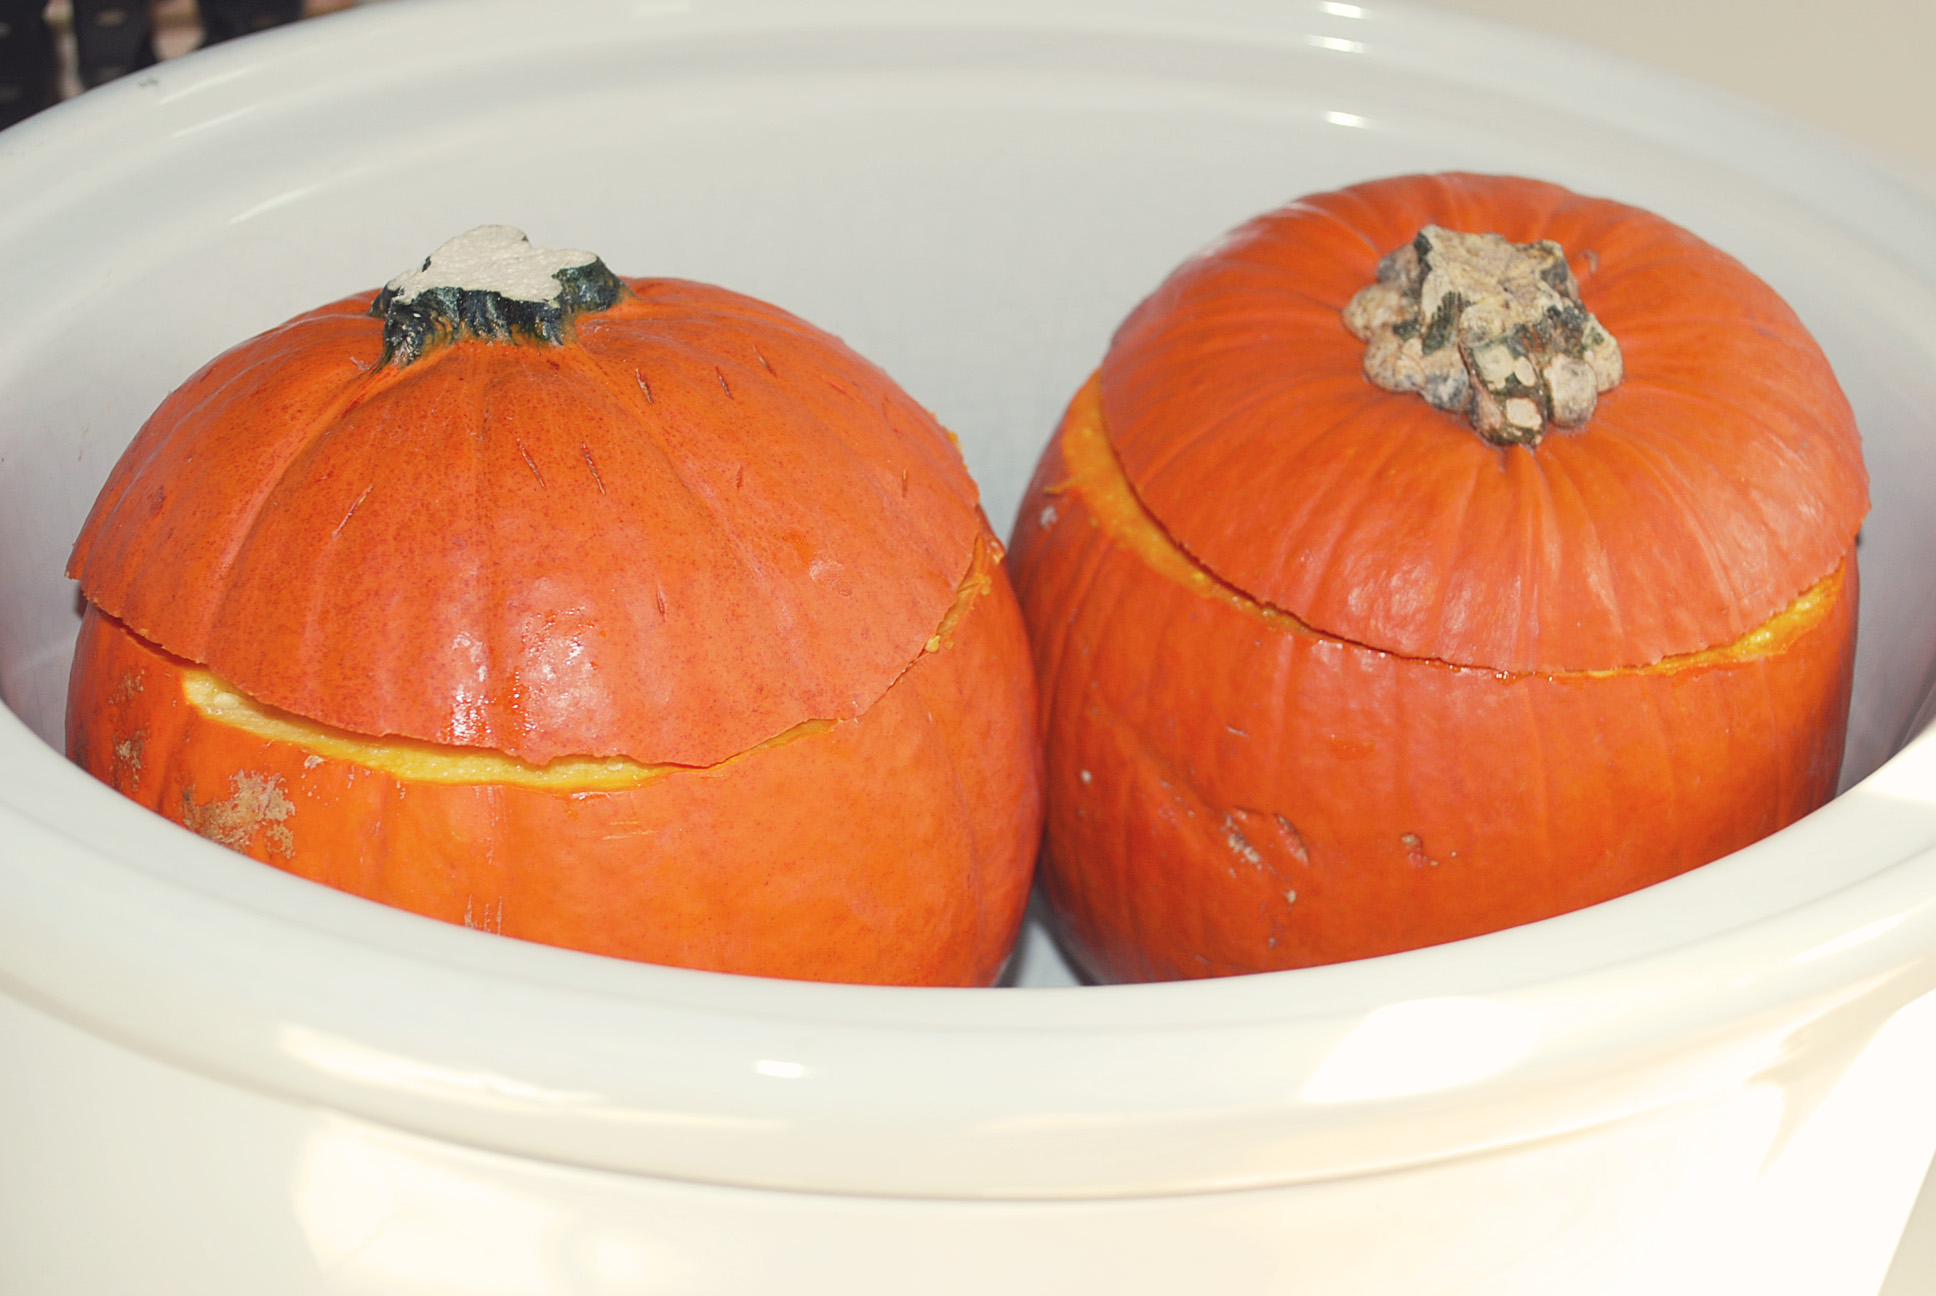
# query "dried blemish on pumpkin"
(1096, 480)
(1046, 518)
(592, 464)
(131, 684)
(256, 804)
(1415, 852)
(723, 384)
(644, 386)
(1086, 777)
(127, 759)
(312, 761)
(1235, 839)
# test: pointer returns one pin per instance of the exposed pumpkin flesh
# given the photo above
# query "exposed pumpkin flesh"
(761, 528)
(1232, 791)
(1094, 472)
(421, 762)
(853, 850)
(1719, 479)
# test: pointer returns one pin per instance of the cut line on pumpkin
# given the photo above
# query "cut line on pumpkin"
(1094, 476)
(428, 762)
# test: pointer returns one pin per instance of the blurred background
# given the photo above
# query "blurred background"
(53, 51)
(1860, 68)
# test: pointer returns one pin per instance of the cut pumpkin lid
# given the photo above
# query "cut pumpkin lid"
(1562, 504)
(641, 518)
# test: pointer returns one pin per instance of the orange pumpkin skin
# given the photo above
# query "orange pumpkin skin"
(1718, 480)
(697, 524)
(1327, 675)
(1230, 791)
(858, 851)
(669, 529)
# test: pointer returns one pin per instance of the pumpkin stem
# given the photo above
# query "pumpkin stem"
(1487, 328)
(491, 284)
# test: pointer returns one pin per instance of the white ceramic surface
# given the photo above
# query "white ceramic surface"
(219, 1078)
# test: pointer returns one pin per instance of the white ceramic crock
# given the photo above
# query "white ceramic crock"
(217, 1078)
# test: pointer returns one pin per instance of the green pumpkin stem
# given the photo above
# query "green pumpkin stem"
(491, 285)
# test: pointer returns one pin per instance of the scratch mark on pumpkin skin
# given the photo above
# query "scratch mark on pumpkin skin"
(762, 359)
(530, 463)
(904, 479)
(739, 478)
(633, 828)
(493, 921)
(723, 384)
(1295, 840)
(662, 603)
(644, 386)
(352, 513)
(593, 465)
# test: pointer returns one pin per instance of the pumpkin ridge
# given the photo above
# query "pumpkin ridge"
(1590, 562)
(1654, 459)
(629, 393)
(664, 294)
(1457, 529)
(1784, 448)
(632, 396)
(217, 699)
(316, 428)
(1182, 447)
(1779, 518)
(1810, 603)
(1323, 569)
(1329, 469)
(1323, 211)
(931, 446)
(131, 473)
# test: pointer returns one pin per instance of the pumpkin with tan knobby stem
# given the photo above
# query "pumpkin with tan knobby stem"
(1426, 558)
(634, 616)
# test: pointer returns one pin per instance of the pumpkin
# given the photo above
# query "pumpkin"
(1426, 558)
(629, 615)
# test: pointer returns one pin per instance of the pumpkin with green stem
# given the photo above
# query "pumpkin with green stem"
(635, 616)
